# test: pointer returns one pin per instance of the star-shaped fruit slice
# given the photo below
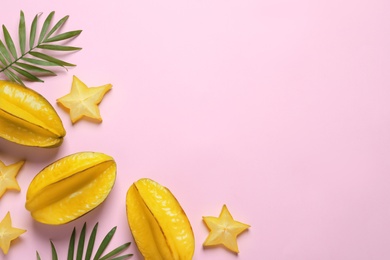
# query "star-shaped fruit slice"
(224, 230)
(8, 233)
(8, 177)
(83, 101)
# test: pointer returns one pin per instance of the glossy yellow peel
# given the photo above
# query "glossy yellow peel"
(27, 118)
(158, 223)
(70, 187)
(224, 230)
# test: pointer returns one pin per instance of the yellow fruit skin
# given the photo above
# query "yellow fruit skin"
(27, 118)
(159, 225)
(70, 187)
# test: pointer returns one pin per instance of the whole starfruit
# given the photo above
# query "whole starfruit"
(27, 118)
(158, 223)
(70, 187)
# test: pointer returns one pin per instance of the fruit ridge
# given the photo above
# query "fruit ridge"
(70, 187)
(158, 223)
(27, 118)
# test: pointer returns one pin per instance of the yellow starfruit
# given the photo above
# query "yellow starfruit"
(8, 177)
(224, 230)
(83, 101)
(8, 233)
(70, 187)
(158, 223)
(27, 118)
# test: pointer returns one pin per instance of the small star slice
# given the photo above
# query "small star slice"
(8, 233)
(83, 101)
(224, 230)
(8, 177)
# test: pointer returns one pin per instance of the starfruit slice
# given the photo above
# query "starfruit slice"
(27, 118)
(158, 223)
(70, 187)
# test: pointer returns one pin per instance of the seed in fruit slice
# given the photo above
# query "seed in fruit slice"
(158, 223)
(70, 187)
(27, 118)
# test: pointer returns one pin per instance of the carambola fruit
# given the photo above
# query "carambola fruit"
(158, 223)
(70, 187)
(27, 118)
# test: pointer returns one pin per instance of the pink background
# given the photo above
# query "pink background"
(279, 109)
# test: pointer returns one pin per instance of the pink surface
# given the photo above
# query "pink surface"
(278, 109)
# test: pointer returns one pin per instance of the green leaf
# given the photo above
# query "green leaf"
(104, 243)
(38, 256)
(45, 27)
(71, 245)
(39, 62)
(51, 59)
(33, 31)
(53, 251)
(22, 33)
(3, 60)
(80, 246)
(26, 74)
(33, 68)
(32, 55)
(13, 77)
(57, 26)
(91, 242)
(58, 47)
(9, 42)
(63, 36)
(4, 52)
(115, 251)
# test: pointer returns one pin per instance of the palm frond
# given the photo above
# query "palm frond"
(39, 52)
(91, 243)
(53, 251)
(71, 245)
(112, 255)
(80, 247)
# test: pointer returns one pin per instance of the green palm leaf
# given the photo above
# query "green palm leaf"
(39, 62)
(22, 33)
(57, 26)
(33, 31)
(45, 26)
(58, 47)
(26, 74)
(104, 244)
(63, 36)
(35, 58)
(91, 242)
(34, 68)
(53, 251)
(4, 52)
(71, 245)
(9, 42)
(50, 58)
(112, 255)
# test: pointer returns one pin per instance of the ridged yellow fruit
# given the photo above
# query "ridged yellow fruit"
(70, 187)
(158, 223)
(27, 118)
